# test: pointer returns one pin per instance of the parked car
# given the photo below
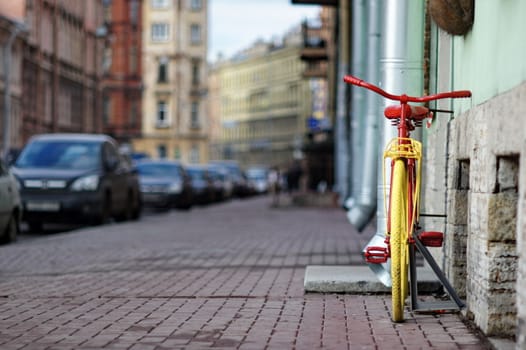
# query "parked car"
(202, 184)
(223, 181)
(258, 178)
(240, 188)
(10, 205)
(75, 178)
(137, 156)
(165, 184)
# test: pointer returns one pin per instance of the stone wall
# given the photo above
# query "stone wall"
(485, 188)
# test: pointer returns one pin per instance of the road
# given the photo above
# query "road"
(228, 276)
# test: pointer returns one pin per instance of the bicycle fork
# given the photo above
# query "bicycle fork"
(410, 150)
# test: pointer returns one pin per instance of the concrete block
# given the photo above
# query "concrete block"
(358, 280)
(458, 207)
(502, 216)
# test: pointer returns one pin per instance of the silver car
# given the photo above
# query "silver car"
(10, 205)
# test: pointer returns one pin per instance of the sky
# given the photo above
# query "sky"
(236, 24)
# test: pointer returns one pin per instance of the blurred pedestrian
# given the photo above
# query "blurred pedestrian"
(274, 184)
(294, 173)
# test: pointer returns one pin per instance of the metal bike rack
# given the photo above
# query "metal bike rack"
(456, 304)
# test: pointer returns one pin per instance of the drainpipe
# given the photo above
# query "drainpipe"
(356, 119)
(341, 139)
(402, 68)
(6, 145)
(392, 62)
(362, 207)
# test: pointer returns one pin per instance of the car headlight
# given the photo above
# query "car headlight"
(175, 187)
(86, 183)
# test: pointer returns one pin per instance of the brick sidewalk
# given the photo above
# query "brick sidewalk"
(224, 277)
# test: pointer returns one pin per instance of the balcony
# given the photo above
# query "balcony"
(315, 69)
(197, 91)
(314, 45)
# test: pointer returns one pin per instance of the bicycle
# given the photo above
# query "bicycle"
(404, 197)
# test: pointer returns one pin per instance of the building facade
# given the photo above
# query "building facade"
(61, 67)
(474, 181)
(264, 103)
(319, 54)
(485, 183)
(122, 73)
(12, 34)
(174, 120)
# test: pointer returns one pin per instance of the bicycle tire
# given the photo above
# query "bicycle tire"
(398, 240)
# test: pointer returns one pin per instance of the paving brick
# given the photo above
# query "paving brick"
(203, 279)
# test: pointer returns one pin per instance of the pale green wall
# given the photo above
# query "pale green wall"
(414, 72)
(491, 58)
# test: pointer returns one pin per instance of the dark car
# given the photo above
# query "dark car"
(257, 176)
(202, 184)
(75, 178)
(10, 205)
(222, 181)
(165, 184)
(240, 188)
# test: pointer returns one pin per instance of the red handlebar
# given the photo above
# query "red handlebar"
(404, 98)
(352, 80)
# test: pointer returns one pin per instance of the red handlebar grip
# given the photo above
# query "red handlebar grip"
(462, 93)
(349, 79)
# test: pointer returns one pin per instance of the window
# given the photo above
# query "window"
(133, 113)
(196, 5)
(195, 34)
(161, 151)
(194, 116)
(160, 4)
(160, 32)
(133, 59)
(134, 11)
(162, 114)
(194, 154)
(107, 60)
(163, 70)
(107, 11)
(106, 110)
(195, 73)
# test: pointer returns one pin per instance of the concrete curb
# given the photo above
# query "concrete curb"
(358, 279)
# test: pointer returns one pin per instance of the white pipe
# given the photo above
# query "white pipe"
(363, 206)
(401, 73)
(392, 63)
(341, 132)
(356, 117)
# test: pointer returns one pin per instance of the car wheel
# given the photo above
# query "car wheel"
(105, 214)
(11, 231)
(127, 211)
(185, 206)
(35, 226)
(137, 208)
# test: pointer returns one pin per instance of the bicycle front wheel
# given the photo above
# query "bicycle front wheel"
(398, 240)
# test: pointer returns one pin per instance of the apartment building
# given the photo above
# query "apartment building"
(61, 67)
(12, 32)
(319, 54)
(264, 103)
(174, 67)
(122, 73)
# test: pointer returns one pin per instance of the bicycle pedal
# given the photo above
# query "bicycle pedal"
(376, 255)
(431, 238)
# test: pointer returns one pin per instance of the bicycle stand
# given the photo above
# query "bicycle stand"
(454, 305)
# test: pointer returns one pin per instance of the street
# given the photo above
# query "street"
(226, 276)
